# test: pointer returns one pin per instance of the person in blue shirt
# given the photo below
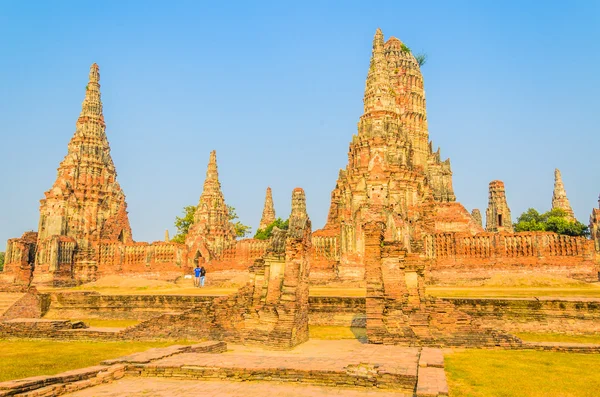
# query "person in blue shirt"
(197, 272)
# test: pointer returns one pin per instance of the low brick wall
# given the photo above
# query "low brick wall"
(339, 311)
(579, 316)
(130, 307)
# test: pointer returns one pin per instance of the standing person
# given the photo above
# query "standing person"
(202, 276)
(197, 272)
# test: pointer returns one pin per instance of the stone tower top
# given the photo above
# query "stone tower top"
(268, 215)
(299, 217)
(498, 214)
(559, 196)
(379, 96)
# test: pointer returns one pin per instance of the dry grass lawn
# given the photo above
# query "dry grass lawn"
(25, 358)
(506, 373)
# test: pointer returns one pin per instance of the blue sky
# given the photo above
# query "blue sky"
(276, 88)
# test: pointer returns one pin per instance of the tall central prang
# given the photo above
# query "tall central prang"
(393, 175)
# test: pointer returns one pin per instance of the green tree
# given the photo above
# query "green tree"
(183, 224)
(1, 261)
(552, 221)
(241, 230)
(265, 234)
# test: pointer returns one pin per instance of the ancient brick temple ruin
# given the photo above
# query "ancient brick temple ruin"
(399, 312)
(83, 217)
(84, 230)
(393, 177)
(211, 233)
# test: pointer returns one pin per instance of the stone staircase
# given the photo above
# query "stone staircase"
(7, 299)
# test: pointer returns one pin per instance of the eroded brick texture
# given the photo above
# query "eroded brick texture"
(399, 312)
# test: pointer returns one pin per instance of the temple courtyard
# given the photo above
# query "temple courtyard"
(336, 360)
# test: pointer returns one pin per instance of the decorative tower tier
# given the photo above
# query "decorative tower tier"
(212, 232)
(86, 202)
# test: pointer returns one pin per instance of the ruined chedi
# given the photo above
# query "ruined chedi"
(559, 197)
(268, 215)
(476, 214)
(393, 174)
(497, 215)
(212, 232)
(86, 202)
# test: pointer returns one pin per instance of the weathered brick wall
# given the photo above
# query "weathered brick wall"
(338, 311)
(240, 256)
(19, 259)
(398, 312)
(133, 307)
(159, 260)
(457, 257)
(580, 316)
(31, 305)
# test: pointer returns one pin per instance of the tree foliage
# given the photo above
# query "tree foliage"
(2, 261)
(421, 58)
(183, 224)
(266, 233)
(552, 221)
(241, 230)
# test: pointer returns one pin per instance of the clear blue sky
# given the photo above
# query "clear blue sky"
(276, 88)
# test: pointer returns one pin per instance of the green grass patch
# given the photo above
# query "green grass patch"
(504, 373)
(332, 332)
(25, 358)
(556, 337)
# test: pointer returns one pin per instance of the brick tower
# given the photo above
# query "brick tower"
(212, 232)
(497, 215)
(268, 215)
(559, 196)
(86, 203)
(393, 175)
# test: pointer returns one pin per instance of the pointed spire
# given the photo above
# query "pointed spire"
(268, 215)
(167, 239)
(559, 196)
(212, 200)
(91, 109)
(378, 91)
